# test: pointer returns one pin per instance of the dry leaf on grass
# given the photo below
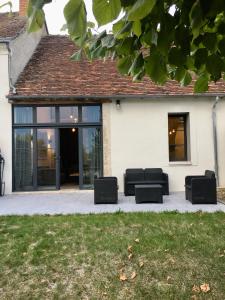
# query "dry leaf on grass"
(194, 297)
(133, 275)
(123, 277)
(130, 256)
(141, 264)
(137, 240)
(129, 249)
(195, 289)
(205, 287)
(169, 279)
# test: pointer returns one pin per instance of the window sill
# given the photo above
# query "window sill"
(180, 163)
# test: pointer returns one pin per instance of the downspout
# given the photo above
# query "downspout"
(11, 86)
(215, 144)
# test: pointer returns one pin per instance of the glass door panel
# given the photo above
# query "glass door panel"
(91, 156)
(23, 159)
(46, 158)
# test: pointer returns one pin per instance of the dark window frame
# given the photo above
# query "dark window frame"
(184, 115)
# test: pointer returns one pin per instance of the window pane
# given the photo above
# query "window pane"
(177, 138)
(91, 155)
(23, 159)
(68, 114)
(91, 113)
(45, 114)
(46, 157)
(23, 115)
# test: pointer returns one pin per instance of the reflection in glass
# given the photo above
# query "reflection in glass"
(68, 114)
(91, 155)
(45, 114)
(23, 159)
(46, 152)
(23, 115)
(91, 113)
(177, 138)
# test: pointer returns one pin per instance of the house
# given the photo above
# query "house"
(65, 122)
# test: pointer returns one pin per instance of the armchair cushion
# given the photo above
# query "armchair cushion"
(153, 174)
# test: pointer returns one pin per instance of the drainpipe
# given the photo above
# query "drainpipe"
(215, 145)
(11, 86)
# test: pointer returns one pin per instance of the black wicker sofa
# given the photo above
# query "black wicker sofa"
(149, 176)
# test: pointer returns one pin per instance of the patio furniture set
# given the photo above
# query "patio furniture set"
(149, 185)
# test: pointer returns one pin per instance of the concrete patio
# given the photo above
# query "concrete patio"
(82, 202)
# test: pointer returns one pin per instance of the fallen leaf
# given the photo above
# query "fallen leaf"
(129, 248)
(141, 264)
(169, 279)
(221, 255)
(194, 297)
(104, 294)
(133, 275)
(123, 277)
(137, 240)
(130, 256)
(195, 289)
(166, 250)
(205, 287)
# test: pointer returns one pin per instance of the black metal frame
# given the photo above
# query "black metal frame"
(185, 116)
(57, 126)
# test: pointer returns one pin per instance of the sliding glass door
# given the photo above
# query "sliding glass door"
(23, 159)
(91, 156)
(46, 158)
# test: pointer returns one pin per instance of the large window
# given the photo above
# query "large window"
(37, 134)
(177, 135)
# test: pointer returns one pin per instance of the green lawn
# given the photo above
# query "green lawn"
(83, 257)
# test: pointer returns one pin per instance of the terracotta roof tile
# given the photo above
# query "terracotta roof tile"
(51, 72)
(11, 25)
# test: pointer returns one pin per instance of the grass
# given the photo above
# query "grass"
(82, 257)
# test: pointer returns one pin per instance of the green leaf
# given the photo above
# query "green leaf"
(180, 73)
(108, 41)
(77, 55)
(196, 18)
(215, 66)
(221, 47)
(176, 57)
(36, 21)
(137, 65)
(186, 80)
(201, 84)
(105, 11)
(137, 28)
(126, 46)
(121, 29)
(140, 9)
(201, 56)
(155, 67)
(75, 15)
(124, 64)
(210, 41)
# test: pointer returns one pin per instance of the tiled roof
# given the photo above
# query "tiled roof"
(11, 25)
(51, 72)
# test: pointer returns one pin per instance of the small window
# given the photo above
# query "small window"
(45, 114)
(68, 114)
(177, 135)
(23, 115)
(91, 113)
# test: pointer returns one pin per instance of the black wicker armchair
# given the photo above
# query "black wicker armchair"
(105, 190)
(201, 189)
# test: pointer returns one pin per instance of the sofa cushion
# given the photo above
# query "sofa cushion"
(153, 174)
(135, 174)
(210, 174)
(147, 182)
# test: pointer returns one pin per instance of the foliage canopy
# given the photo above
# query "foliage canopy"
(147, 39)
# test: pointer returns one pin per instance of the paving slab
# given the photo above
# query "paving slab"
(82, 202)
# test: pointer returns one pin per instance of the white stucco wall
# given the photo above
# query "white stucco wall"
(139, 137)
(5, 118)
(21, 49)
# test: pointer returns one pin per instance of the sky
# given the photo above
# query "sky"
(54, 14)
